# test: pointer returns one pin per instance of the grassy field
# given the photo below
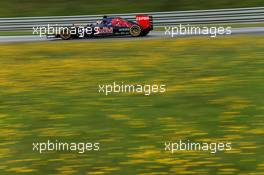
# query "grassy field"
(12, 8)
(49, 90)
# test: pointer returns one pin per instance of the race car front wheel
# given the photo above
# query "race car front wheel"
(135, 30)
(65, 34)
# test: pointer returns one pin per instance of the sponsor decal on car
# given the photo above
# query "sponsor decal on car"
(142, 17)
(101, 30)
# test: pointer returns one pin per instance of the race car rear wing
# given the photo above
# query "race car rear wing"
(145, 21)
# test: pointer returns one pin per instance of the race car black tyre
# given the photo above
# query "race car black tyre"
(144, 33)
(135, 30)
(65, 34)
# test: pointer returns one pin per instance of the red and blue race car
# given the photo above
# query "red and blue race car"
(109, 26)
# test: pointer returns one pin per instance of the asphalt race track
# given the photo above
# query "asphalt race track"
(155, 34)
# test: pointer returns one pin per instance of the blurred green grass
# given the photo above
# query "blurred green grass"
(13, 8)
(214, 93)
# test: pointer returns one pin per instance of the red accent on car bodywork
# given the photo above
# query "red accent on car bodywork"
(119, 22)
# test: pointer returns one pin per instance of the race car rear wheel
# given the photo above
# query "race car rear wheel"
(65, 34)
(145, 32)
(135, 30)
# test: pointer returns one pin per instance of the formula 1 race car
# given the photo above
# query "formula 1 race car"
(108, 26)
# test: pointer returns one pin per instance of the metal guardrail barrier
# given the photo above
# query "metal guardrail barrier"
(216, 16)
